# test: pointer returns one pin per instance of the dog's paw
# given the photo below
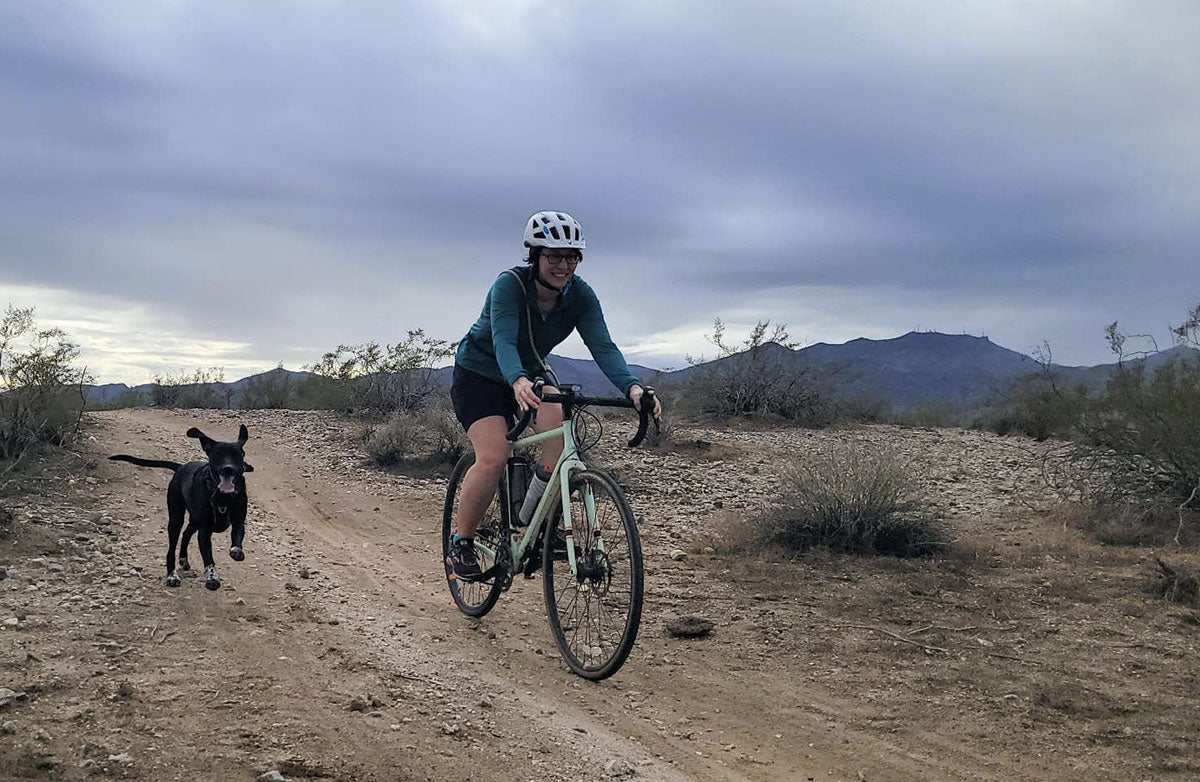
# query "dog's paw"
(236, 554)
(211, 579)
(173, 580)
(184, 564)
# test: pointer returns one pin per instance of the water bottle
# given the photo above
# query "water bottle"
(520, 471)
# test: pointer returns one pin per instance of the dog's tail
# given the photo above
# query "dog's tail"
(145, 462)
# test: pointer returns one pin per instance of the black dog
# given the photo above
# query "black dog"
(214, 495)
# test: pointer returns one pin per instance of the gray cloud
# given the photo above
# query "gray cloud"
(335, 173)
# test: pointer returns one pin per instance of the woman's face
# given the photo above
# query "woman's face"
(557, 266)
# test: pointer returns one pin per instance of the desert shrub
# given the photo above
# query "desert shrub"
(853, 500)
(1134, 457)
(1148, 426)
(1036, 406)
(318, 392)
(426, 437)
(199, 388)
(130, 398)
(1176, 584)
(1133, 523)
(757, 377)
(396, 440)
(269, 391)
(931, 414)
(41, 391)
(663, 437)
(376, 381)
(449, 440)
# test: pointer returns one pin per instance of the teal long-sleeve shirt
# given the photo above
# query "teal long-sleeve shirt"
(497, 346)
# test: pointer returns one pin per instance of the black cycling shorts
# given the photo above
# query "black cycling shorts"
(475, 396)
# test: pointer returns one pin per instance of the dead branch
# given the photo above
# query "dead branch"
(1182, 506)
(890, 634)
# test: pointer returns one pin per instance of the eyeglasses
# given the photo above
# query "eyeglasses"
(557, 259)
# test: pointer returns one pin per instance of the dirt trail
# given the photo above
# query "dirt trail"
(335, 651)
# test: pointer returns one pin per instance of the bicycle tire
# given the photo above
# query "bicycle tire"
(593, 656)
(474, 598)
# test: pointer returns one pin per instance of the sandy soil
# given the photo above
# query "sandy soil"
(334, 650)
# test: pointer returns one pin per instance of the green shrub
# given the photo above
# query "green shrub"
(1176, 584)
(421, 437)
(853, 500)
(200, 388)
(397, 440)
(41, 392)
(757, 378)
(1148, 427)
(269, 391)
(318, 392)
(375, 381)
(1134, 523)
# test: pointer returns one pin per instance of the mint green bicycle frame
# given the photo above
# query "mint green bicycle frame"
(559, 486)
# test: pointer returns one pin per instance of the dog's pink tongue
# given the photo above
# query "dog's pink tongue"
(226, 485)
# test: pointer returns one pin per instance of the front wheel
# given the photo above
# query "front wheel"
(473, 598)
(594, 614)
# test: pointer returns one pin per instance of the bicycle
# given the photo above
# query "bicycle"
(592, 582)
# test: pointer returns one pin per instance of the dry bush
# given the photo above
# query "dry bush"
(41, 391)
(1134, 460)
(376, 380)
(420, 437)
(758, 377)
(663, 437)
(449, 440)
(200, 388)
(853, 500)
(1176, 584)
(1117, 523)
(269, 391)
(397, 440)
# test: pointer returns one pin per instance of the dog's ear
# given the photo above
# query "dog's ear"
(206, 442)
(247, 467)
(243, 434)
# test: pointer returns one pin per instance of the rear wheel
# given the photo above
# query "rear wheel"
(473, 598)
(595, 613)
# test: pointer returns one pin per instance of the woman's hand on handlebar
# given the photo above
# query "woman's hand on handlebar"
(524, 392)
(635, 394)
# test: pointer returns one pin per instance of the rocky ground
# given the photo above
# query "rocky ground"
(1026, 651)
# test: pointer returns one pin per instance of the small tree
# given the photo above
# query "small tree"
(1039, 405)
(381, 380)
(753, 378)
(200, 388)
(41, 391)
(1144, 432)
(269, 391)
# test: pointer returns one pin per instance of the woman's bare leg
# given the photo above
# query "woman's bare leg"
(479, 484)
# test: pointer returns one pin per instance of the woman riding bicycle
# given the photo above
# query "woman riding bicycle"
(527, 313)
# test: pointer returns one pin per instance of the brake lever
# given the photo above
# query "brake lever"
(644, 415)
(530, 416)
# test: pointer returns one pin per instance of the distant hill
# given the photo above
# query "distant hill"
(904, 372)
(919, 368)
(583, 372)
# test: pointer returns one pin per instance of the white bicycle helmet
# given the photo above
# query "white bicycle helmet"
(553, 229)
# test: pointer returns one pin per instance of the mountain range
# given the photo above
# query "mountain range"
(904, 372)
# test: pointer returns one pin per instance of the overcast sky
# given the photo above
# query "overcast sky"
(239, 184)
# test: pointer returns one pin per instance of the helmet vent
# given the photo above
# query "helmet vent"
(554, 232)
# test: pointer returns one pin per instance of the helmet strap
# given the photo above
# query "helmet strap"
(537, 275)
